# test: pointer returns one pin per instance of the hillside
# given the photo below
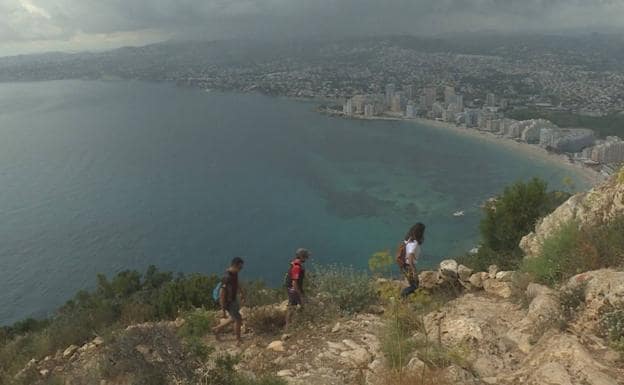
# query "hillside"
(461, 326)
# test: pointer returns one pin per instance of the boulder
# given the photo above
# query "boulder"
(492, 270)
(505, 276)
(602, 287)
(98, 341)
(70, 351)
(276, 346)
(476, 280)
(464, 272)
(415, 365)
(448, 269)
(357, 357)
(285, 373)
(429, 279)
(498, 288)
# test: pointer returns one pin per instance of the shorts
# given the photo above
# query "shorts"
(294, 298)
(233, 309)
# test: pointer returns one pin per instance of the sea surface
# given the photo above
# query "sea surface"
(106, 176)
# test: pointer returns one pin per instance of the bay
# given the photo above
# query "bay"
(98, 177)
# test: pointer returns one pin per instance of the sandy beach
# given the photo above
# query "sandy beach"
(590, 176)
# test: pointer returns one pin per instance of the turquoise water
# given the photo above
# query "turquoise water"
(104, 176)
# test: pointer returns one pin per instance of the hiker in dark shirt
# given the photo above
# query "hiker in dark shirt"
(228, 299)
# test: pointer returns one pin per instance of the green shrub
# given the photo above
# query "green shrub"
(508, 218)
(571, 300)
(197, 323)
(149, 355)
(349, 289)
(266, 320)
(257, 293)
(380, 264)
(572, 250)
(612, 325)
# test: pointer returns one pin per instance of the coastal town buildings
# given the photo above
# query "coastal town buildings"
(609, 151)
(570, 140)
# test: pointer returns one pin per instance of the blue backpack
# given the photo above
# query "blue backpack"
(216, 292)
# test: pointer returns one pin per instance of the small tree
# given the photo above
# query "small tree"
(513, 215)
(380, 263)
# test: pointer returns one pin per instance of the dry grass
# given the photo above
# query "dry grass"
(426, 377)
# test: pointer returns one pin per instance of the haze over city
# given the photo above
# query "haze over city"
(30, 26)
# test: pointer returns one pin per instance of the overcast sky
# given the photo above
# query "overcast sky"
(73, 25)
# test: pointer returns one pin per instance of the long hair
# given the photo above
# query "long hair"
(416, 233)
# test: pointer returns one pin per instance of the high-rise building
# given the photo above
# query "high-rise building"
(566, 139)
(449, 94)
(431, 95)
(471, 117)
(610, 151)
(410, 91)
(390, 89)
(410, 111)
(459, 102)
(369, 110)
(490, 100)
(347, 108)
(395, 105)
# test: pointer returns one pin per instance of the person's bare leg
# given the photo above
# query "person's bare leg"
(289, 312)
(237, 331)
(219, 328)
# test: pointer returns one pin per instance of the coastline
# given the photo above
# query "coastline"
(588, 175)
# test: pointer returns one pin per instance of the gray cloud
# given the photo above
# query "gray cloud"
(62, 21)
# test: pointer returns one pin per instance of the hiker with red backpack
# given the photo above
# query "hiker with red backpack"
(407, 256)
(294, 283)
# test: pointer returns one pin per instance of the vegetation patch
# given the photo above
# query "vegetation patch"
(507, 219)
(573, 249)
(349, 289)
(612, 325)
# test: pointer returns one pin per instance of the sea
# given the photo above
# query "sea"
(104, 176)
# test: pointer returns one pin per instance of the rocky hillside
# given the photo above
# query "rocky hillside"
(498, 329)
(460, 327)
(597, 206)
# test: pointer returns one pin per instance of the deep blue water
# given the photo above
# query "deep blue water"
(105, 176)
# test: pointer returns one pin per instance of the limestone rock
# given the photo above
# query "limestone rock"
(98, 341)
(492, 270)
(358, 357)
(415, 365)
(448, 269)
(476, 280)
(277, 346)
(429, 279)
(505, 276)
(498, 288)
(464, 272)
(285, 373)
(70, 351)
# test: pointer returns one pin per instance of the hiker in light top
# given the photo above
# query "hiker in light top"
(228, 299)
(412, 250)
(294, 282)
